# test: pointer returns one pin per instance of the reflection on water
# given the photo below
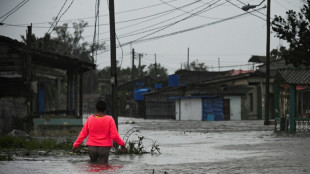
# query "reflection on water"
(101, 168)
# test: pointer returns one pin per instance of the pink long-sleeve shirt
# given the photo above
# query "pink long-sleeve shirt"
(101, 131)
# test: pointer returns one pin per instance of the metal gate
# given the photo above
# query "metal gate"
(213, 109)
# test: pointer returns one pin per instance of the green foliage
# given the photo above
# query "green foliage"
(194, 66)
(296, 31)
(136, 146)
(10, 142)
(280, 53)
(157, 71)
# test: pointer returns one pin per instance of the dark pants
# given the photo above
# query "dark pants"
(99, 154)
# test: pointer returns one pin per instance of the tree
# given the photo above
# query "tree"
(296, 31)
(157, 72)
(277, 54)
(67, 44)
(195, 66)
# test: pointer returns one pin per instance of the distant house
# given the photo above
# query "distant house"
(160, 104)
(226, 98)
(29, 76)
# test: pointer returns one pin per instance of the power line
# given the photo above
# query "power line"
(186, 30)
(57, 16)
(171, 24)
(164, 13)
(136, 32)
(62, 15)
(247, 11)
(91, 17)
(13, 10)
(187, 11)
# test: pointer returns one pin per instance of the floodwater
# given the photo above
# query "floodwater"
(187, 147)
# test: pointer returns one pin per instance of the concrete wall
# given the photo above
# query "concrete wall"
(235, 107)
(13, 111)
(191, 109)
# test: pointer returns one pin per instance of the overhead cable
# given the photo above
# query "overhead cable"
(187, 11)
(91, 17)
(13, 10)
(247, 11)
(61, 16)
(155, 16)
(183, 31)
(170, 24)
(56, 18)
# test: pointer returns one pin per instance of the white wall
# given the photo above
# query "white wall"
(191, 109)
(235, 107)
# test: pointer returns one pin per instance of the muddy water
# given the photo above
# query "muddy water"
(187, 147)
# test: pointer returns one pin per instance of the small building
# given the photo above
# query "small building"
(157, 102)
(213, 104)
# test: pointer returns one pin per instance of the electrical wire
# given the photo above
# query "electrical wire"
(165, 27)
(164, 13)
(187, 11)
(186, 30)
(61, 16)
(91, 17)
(247, 11)
(136, 32)
(57, 16)
(253, 9)
(13, 10)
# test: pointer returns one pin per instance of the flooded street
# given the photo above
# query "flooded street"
(187, 147)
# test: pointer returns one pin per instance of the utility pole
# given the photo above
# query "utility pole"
(113, 62)
(133, 65)
(219, 63)
(139, 69)
(266, 122)
(187, 58)
(155, 65)
(29, 66)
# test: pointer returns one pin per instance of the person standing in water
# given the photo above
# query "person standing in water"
(101, 131)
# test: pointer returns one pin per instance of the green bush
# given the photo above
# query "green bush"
(10, 142)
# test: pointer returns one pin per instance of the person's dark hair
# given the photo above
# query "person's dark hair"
(101, 106)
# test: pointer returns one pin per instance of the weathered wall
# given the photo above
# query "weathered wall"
(13, 111)
(191, 109)
(235, 107)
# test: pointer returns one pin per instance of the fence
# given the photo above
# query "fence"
(301, 124)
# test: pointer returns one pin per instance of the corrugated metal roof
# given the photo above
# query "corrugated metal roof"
(294, 76)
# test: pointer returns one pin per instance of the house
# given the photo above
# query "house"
(292, 105)
(159, 104)
(35, 83)
(227, 98)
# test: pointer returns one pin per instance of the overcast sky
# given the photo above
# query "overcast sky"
(166, 28)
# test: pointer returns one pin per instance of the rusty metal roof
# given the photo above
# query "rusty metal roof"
(294, 76)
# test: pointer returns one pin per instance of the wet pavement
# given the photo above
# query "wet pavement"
(188, 147)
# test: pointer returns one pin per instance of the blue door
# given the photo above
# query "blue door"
(213, 109)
